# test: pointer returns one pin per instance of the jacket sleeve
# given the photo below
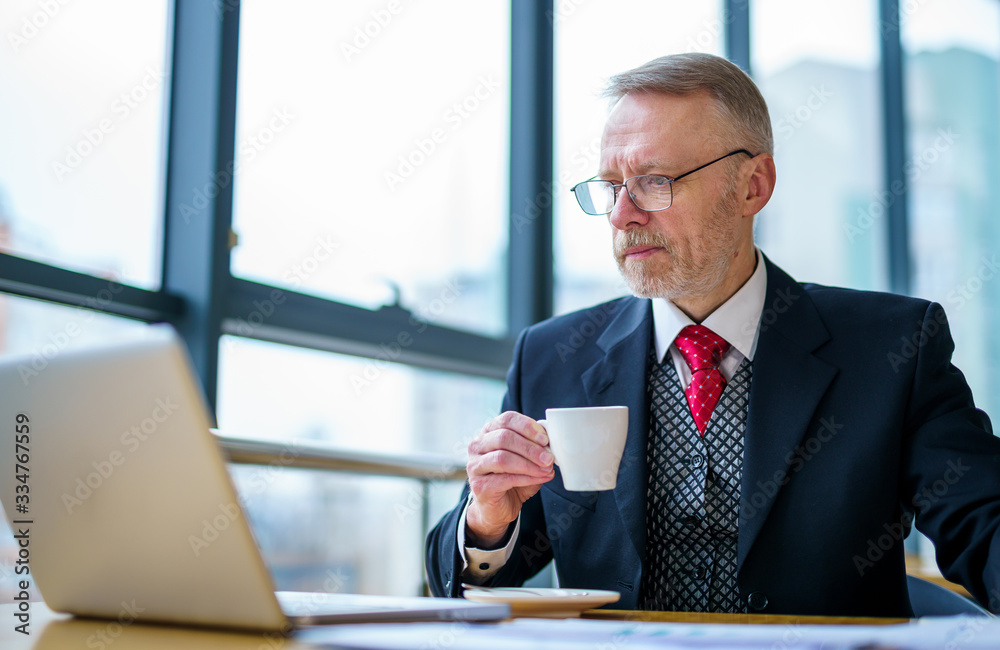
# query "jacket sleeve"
(443, 559)
(951, 463)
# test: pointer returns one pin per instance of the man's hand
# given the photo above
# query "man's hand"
(508, 463)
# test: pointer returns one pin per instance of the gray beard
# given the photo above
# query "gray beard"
(682, 282)
(685, 279)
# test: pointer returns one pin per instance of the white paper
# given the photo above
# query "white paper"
(945, 633)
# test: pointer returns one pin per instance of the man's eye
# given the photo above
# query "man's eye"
(658, 181)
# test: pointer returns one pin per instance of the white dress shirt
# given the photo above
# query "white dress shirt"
(737, 321)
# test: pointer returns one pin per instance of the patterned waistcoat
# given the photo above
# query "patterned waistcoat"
(693, 496)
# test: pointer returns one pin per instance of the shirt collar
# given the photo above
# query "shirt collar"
(737, 320)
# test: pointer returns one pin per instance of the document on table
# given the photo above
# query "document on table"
(965, 633)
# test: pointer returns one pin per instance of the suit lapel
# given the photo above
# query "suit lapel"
(619, 378)
(788, 384)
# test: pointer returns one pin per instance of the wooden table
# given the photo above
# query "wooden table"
(734, 619)
(51, 631)
(916, 566)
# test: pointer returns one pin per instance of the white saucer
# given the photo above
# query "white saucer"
(550, 603)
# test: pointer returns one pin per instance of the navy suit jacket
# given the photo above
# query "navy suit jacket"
(857, 421)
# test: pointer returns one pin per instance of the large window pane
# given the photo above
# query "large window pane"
(311, 525)
(81, 122)
(340, 532)
(41, 331)
(951, 53)
(817, 65)
(329, 532)
(588, 50)
(372, 150)
(279, 392)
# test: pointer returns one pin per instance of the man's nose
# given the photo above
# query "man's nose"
(625, 214)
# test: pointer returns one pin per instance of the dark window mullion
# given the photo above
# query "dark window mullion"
(267, 313)
(530, 272)
(736, 15)
(894, 129)
(201, 144)
(32, 279)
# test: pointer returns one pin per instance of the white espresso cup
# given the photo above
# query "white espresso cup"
(587, 443)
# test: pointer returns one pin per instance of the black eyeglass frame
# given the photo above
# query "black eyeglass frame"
(616, 187)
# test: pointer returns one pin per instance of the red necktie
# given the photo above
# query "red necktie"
(702, 349)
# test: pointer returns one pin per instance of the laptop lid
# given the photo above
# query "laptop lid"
(131, 510)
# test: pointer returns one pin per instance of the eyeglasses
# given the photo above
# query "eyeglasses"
(649, 192)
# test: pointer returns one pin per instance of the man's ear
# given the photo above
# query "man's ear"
(760, 185)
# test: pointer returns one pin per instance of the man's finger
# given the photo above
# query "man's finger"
(524, 425)
(497, 484)
(512, 441)
(502, 461)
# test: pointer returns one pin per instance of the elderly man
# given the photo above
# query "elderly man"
(782, 436)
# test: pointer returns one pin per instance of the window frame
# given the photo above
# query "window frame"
(203, 300)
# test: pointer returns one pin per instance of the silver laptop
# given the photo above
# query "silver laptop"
(130, 509)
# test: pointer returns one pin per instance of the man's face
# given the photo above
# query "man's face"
(686, 250)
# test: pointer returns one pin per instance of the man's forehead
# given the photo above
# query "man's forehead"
(658, 108)
(638, 156)
(655, 131)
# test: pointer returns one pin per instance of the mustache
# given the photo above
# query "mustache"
(631, 238)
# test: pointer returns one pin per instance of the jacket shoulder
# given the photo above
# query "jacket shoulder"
(840, 305)
(600, 315)
(579, 334)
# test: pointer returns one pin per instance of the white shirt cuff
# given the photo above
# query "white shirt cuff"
(478, 565)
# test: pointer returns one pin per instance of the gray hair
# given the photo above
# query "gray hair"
(741, 108)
